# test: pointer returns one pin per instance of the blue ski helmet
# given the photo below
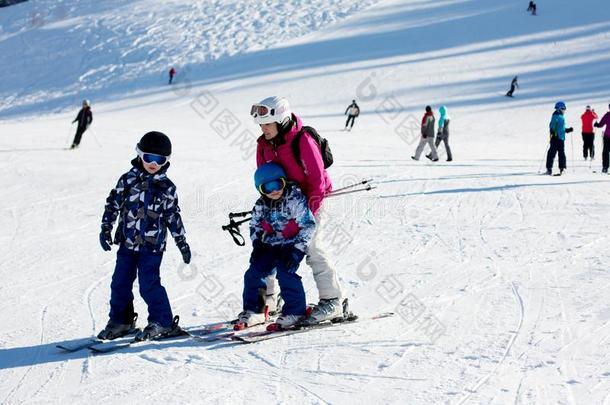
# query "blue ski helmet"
(560, 105)
(268, 172)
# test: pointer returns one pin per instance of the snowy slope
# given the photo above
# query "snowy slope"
(511, 265)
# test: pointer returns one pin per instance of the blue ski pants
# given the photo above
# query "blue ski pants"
(144, 265)
(262, 264)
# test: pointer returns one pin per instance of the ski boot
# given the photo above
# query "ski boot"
(326, 310)
(549, 172)
(117, 330)
(155, 331)
(285, 322)
(247, 319)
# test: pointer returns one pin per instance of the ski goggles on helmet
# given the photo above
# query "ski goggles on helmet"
(261, 111)
(152, 158)
(271, 186)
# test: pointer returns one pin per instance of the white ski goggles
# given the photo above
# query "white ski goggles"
(149, 158)
(261, 111)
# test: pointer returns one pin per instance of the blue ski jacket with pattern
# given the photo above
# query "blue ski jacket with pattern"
(285, 221)
(147, 205)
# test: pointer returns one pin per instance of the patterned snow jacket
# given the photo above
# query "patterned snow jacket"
(146, 204)
(284, 221)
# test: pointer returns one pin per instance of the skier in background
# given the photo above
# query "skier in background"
(172, 73)
(141, 235)
(558, 130)
(606, 151)
(427, 136)
(513, 85)
(588, 134)
(352, 112)
(532, 8)
(84, 118)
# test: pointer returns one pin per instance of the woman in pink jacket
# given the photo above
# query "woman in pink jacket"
(280, 127)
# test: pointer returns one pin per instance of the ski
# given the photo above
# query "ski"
(113, 345)
(255, 337)
(80, 344)
(218, 331)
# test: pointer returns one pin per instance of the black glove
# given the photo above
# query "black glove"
(106, 239)
(291, 258)
(186, 251)
(258, 250)
(568, 130)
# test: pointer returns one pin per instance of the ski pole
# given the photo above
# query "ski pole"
(572, 147)
(335, 194)
(96, 140)
(70, 132)
(548, 145)
(363, 182)
(233, 226)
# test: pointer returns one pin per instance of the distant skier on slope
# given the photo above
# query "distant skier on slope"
(141, 235)
(281, 229)
(532, 8)
(283, 134)
(352, 111)
(172, 73)
(513, 85)
(427, 136)
(588, 133)
(558, 131)
(606, 151)
(84, 118)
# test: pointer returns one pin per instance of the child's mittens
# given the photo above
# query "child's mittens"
(267, 228)
(185, 250)
(105, 239)
(291, 229)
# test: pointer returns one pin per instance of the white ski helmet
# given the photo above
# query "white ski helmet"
(271, 109)
(86, 103)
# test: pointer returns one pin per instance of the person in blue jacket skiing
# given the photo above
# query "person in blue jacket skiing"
(146, 204)
(281, 229)
(558, 131)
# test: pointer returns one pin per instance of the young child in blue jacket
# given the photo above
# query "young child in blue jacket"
(146, 204)
(281, 228)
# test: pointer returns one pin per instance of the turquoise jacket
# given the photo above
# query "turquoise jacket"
(557, 126)
(443, 111)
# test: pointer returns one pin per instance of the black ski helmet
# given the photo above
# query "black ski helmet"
(155, 142)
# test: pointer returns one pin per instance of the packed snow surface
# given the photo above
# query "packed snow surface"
(498, 275)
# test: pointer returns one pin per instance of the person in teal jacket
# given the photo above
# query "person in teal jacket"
(558, 130)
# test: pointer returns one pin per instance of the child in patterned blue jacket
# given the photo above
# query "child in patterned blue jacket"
(281, 228)
(146, 203)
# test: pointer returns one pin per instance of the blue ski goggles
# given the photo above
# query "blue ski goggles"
(152, 158)
(271, 186)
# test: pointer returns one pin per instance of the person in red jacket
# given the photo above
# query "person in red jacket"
(588, 134)
(279, 128)
(172, 73)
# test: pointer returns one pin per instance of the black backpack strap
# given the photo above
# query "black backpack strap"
(296, 148)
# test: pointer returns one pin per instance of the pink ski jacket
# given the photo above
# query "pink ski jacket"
(313, 179)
